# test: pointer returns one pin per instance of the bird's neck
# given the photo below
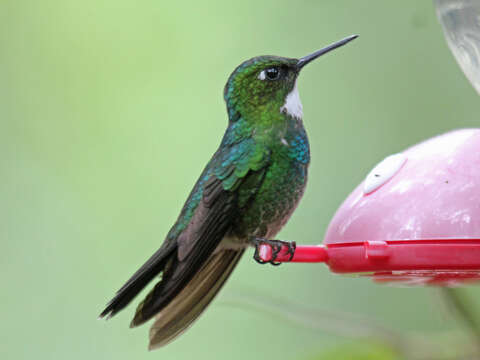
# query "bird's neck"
(266, 128)
(272, 119)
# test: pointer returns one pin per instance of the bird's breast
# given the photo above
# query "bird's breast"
(283, 187)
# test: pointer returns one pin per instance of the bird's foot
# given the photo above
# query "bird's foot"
(276, 246)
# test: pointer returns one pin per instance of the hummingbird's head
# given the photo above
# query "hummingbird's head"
(264, 86)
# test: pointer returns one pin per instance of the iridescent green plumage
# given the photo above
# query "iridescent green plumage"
(247, 191)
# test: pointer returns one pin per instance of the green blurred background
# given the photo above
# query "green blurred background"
(109, 111)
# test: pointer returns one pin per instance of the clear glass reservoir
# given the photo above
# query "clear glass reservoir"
(460, 20)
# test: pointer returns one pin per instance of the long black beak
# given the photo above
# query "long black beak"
(306, 59)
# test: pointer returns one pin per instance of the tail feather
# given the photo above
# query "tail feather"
(186, 306)
(139, 280)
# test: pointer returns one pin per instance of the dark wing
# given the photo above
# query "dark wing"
(205, 219)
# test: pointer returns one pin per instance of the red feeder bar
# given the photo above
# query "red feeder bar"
(415, 219)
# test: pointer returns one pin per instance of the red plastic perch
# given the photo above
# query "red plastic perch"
(303, 253)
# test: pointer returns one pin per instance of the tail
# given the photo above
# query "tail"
(179, 314)
(184, 291)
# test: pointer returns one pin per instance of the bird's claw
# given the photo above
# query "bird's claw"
(276, 246)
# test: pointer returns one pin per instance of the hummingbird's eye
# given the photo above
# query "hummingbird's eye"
(272, 73)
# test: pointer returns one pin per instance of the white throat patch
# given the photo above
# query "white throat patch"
(293, 105)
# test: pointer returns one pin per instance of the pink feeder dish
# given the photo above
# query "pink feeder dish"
(414, 220)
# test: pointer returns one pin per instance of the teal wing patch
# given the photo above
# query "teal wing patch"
(232, 166)
(240, 163)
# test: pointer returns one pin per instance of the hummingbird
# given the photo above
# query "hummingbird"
(244, 196)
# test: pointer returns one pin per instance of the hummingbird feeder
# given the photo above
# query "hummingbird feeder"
(414, 220)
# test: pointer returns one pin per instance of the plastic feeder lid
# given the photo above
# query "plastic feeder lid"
(415, 219)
